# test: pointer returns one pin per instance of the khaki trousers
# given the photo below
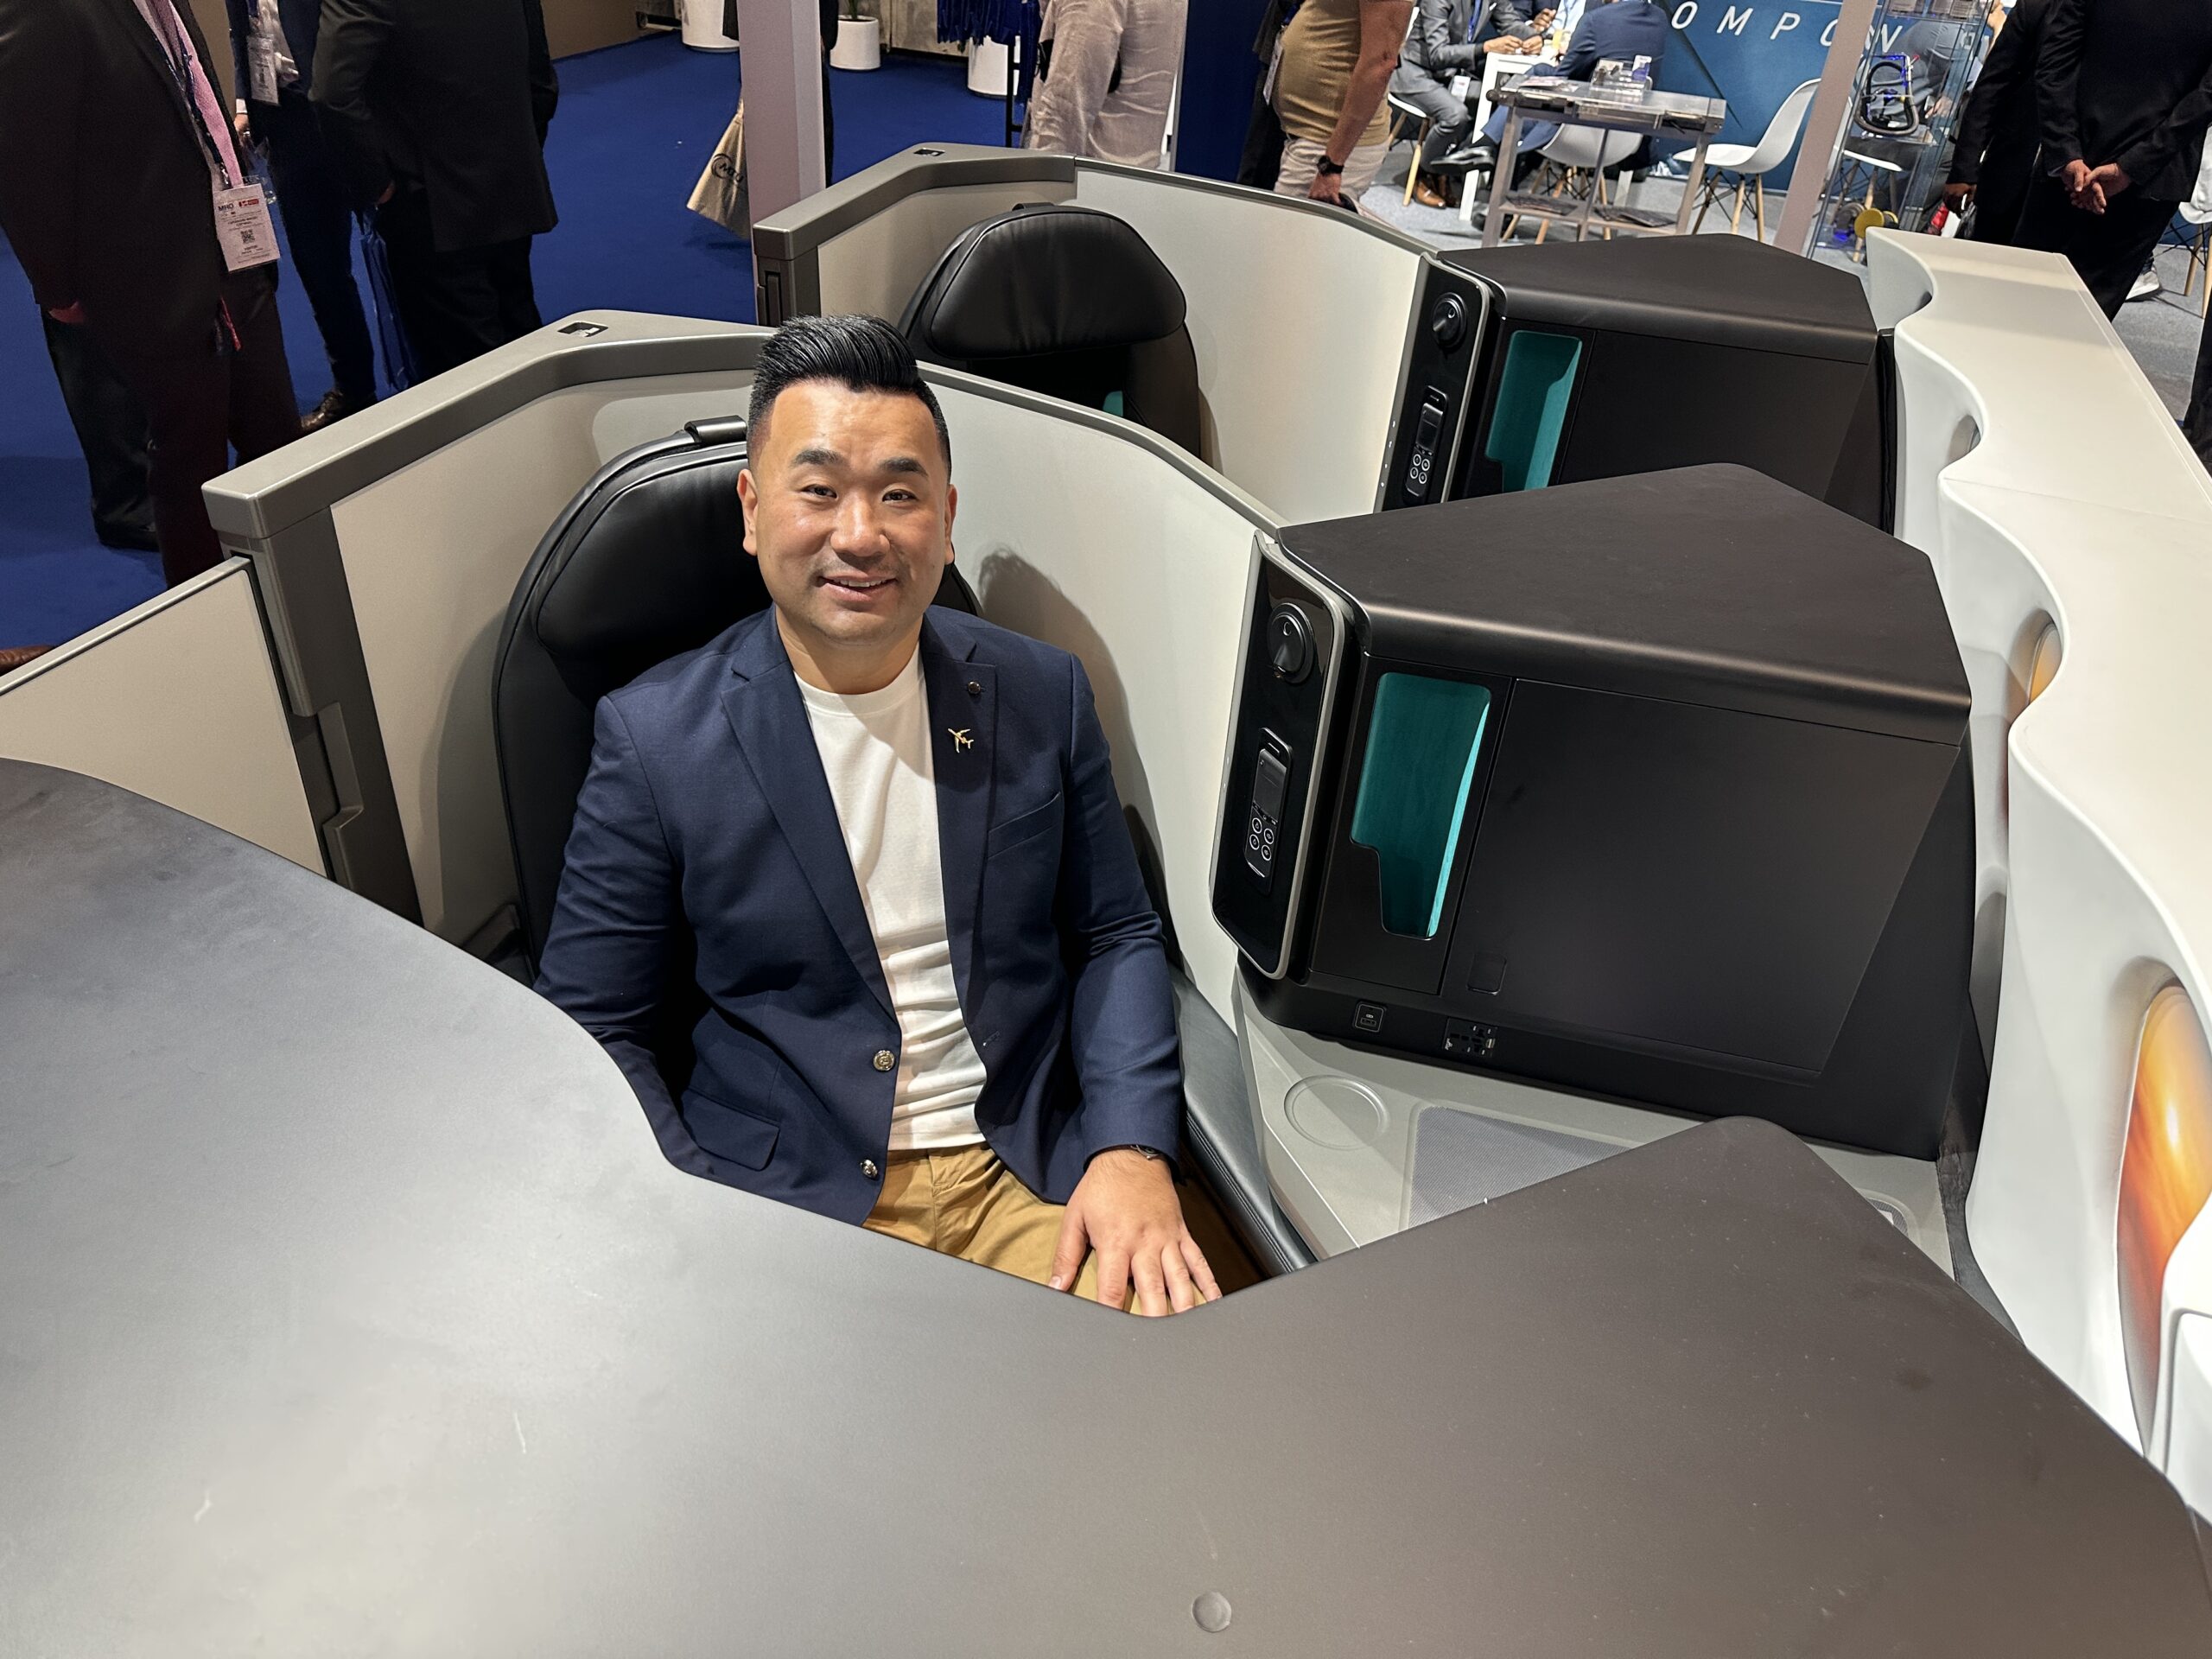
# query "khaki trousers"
(964, 1201)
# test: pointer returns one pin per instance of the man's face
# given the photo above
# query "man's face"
(848, 508)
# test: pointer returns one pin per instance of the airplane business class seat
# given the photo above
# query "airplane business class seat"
(1069, 301)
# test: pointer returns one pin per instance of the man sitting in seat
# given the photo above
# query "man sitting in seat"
(1446, 44)
(1615, 30)
(936, 1000)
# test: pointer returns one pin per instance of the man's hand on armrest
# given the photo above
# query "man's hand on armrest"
(1124, 1211)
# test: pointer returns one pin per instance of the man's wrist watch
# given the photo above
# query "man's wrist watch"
(1327, 168)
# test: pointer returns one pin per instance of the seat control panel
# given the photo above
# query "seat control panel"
(1428, 429)
(1264, 822)
(1428, 423)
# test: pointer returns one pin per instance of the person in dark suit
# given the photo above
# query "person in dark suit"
(1999, 132)
(436, 110)
(2125, 91)
(1622, 30)
(116, 142)
(111, 429)
(1450, 38)
(936, 995)
(272, 48)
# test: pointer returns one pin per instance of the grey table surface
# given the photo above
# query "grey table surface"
(347, 1307)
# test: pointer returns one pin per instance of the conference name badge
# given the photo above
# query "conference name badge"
(244, 227)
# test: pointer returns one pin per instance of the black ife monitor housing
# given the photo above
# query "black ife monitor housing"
(1655, 787)
(1562, 362)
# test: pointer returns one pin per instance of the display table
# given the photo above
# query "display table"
(1577, 103)
(348, 1307)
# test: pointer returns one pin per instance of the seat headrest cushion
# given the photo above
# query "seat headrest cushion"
(1045, 277)
(661, 569)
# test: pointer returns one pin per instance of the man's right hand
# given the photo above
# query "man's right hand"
(1326, 186)
(72, 314)
(1955, 196)
(2081, 188)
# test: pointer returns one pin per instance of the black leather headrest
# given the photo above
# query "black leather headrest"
(1045, 277)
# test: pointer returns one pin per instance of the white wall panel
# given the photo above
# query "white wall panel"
(2043, 478)
(1088, 540)
(1299, 320)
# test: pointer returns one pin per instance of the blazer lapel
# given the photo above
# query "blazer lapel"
(127, 16)
(963, 706)
(768, 718)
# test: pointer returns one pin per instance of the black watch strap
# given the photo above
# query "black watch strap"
(1327, 167)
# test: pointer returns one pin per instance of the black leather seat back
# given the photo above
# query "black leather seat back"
(648, 561)
(1066, 301)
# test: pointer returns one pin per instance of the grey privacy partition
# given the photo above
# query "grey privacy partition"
(176, 699)
(1298, 314)
(391, 552)
(374, 1323)
(387, 548)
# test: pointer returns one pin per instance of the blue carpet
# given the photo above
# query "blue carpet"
(636, 125)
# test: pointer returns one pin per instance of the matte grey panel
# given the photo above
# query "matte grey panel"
(265, 496)
(805, 226)
(1464, 1157)
(346, 1307)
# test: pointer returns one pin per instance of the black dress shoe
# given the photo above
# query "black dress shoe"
(335, 406)
(129, 538)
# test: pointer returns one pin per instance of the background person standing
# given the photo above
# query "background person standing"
(1336, 60)
(123, 238)
(2125, 88)
(2000, 135)
(272, 49)
(436, 112)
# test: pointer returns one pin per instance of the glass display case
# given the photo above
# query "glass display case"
(1894, 154)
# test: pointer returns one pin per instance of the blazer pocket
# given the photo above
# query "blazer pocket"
(730, 1133)
(1036, 822)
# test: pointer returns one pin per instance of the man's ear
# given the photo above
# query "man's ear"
(748, 498)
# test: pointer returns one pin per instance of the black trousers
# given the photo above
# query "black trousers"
(458, 304)
(111, 430)
(228, 387)
(2108, 250)
(319, 225)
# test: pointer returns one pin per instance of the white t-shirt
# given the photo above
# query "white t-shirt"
(875, 749)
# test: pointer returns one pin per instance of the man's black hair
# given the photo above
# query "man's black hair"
(865, 353)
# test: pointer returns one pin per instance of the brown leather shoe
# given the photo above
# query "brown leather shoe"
(1426, 194)
(16, 655)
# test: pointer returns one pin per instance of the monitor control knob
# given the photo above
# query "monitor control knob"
(1290, 644)
(1447, 321)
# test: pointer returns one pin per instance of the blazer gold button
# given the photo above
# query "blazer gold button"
(867, 1167)
(885, 1059)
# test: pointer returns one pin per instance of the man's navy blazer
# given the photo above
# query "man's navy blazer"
(707, 803)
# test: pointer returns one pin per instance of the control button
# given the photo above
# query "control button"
(1270, 784)
(1447, 321)
(885, 1059)
(868, 1168)
(1290, 644)
(1367, 1017)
